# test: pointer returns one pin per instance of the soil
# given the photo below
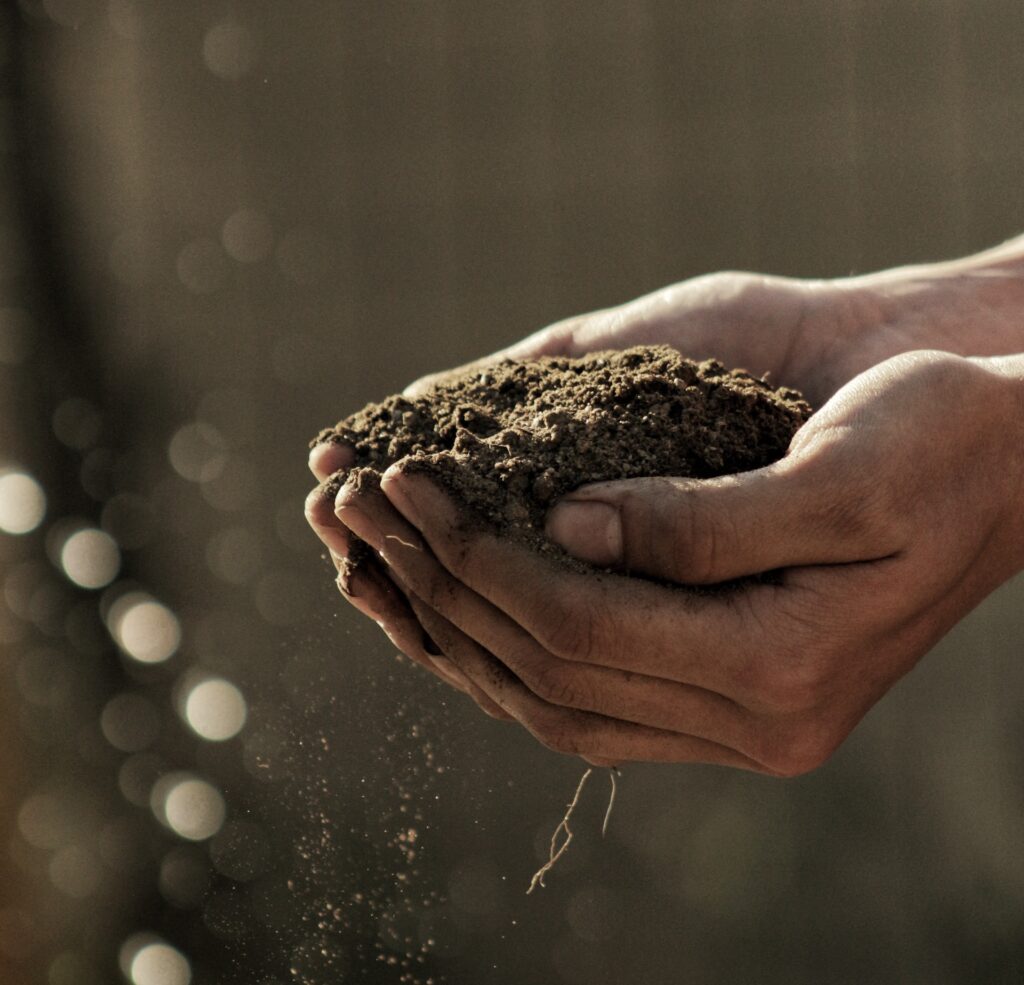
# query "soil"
(509, 440)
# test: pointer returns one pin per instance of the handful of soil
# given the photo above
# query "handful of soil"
(509, 440)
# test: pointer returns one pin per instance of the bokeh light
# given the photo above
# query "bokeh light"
(138, 775)
(247, 236)
(90, 558)
(146, 959)
(215, 709)
(190, 806)
(198, 452)
(130, 722)
(229, 50)
(77, 423)
(45, 819)
(146, 630)
(184, 876)
(22, 503)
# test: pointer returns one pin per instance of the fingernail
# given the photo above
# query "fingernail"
(588, 530)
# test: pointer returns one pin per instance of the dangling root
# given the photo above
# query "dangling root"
(556, 850)
(556, 854)
(612, 773)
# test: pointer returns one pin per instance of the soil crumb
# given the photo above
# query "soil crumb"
(509, 440)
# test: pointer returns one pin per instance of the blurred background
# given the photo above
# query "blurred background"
(226, 224)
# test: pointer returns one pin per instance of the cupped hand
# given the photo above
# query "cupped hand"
(816, 335)
(895, 511)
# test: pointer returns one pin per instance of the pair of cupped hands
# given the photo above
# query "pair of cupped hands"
(896, 509)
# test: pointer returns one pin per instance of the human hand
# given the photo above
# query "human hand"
(895, 511)
(812, 334)
(743, 319)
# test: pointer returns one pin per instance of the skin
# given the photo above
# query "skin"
(895, 511)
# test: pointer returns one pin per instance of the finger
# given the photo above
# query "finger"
(703, 531)
(329, 457)
(371, 589)
(712, 641)
(569, 731)
(608, 691)
(320, 515)
(417, 634)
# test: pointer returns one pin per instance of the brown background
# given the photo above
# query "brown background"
(434, 179)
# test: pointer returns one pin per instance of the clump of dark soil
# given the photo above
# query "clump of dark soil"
(509, 440)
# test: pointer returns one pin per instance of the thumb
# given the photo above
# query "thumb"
(702, 531)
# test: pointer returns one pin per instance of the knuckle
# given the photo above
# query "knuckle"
(554, 731)
(799, 750)
(555, 684)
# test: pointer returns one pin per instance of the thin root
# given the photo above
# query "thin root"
(556, 853)
(404, 543)
(612, 773)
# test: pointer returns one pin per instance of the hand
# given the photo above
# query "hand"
(812, 334)
(788, 328)
(895, 511)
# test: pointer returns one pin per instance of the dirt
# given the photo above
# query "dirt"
(509, 440)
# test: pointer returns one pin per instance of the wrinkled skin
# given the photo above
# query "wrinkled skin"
(896, 509)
